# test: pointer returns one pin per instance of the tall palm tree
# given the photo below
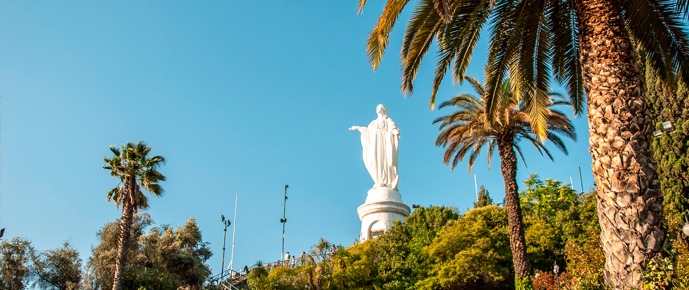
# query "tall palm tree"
(470, 128)
(586, 44)
(135, 169)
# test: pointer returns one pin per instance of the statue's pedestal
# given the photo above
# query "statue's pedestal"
(382, 208)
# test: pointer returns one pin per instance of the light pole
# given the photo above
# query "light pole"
(556, 270)
(226, 223)
(283, 220)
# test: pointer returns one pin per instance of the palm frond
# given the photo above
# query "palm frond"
(423, 26)
(442, 7)
(476, 151)
(565, 45)
(657, 25)
(522, 70)
(477, 13)
(466, 131)
(134, 168)
(379, 36)
(683, 7)
(521, 155)
(360, 9)
(115, 195)
(492, 144)
(457, 41)
(503, 48)
(557, 141)
(114, 150)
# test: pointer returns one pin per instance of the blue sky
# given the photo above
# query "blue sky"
(241, 97)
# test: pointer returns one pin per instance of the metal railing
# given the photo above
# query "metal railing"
(296, 262)
(227, 280)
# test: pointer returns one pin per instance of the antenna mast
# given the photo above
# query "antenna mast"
(234, 229)
(283, 220)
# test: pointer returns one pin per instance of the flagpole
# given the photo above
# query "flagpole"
(476, 187)
(234, 229)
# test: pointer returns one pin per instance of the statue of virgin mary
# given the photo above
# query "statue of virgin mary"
(380, 141)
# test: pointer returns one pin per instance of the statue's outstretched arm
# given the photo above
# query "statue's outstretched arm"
(357, 128)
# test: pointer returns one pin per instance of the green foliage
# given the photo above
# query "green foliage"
(356, 267)
(163, 258)
(321, 249)
(670, 102)
(472, 252)
(483, 198)
(584, 254)
(292, 279)
(134, 168)
(670, 271)
(256, 279)
(585, 263)
(523, 283)
(395, 260)
(681, 273)
(14, 263)
(658, 274)
(57, 269)
(401, 250)
(562, 226)
(552, 216)
(101, 264)
(21, 265)
(307, 275)
(435, 248)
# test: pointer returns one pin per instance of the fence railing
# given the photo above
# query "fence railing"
(296, 261)
(229, 278)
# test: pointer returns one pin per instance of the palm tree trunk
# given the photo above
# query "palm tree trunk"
(629, 202)
(123, 243)
(508, 165)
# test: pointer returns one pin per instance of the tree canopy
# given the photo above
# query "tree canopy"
(162, 258)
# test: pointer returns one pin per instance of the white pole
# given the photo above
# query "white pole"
(234, 229)
(571, 183)
(476, 187)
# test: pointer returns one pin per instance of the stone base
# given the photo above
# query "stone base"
(382, 208)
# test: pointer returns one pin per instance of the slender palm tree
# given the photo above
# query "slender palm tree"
(470, 128)
(585, 44)
(135, 169)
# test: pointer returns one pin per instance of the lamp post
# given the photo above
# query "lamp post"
(556, 270)
(226, 223)
(283, 220)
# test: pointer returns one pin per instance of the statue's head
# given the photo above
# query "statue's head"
(381, 110)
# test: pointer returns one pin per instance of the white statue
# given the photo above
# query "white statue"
(380, 141)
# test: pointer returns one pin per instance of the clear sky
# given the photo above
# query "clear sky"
(240, 97)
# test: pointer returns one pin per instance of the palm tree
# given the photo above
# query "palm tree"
(585, 44)
(135, 169)
(470, 128)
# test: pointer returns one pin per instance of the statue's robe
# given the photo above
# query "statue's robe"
(380, 141)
